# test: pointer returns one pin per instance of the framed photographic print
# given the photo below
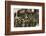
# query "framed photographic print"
(24, 17)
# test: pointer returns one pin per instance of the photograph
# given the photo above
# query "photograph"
(26, 17)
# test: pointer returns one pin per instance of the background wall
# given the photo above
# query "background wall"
(2, 18)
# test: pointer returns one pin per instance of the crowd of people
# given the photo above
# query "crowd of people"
(26, 18)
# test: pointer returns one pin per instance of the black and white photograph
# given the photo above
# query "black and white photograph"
(26, 17)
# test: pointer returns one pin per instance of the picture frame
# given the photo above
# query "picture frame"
(10, 5)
